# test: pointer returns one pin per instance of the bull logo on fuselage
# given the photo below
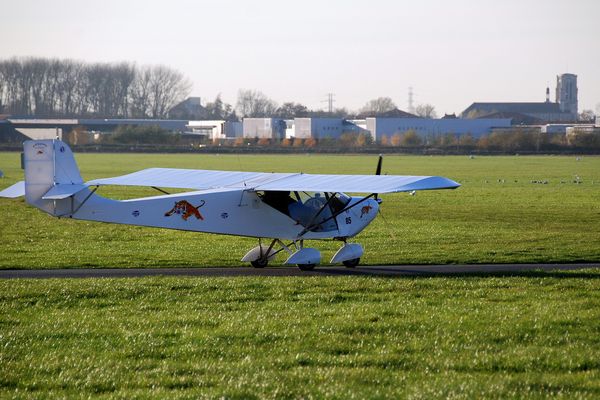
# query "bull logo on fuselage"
(186, 210)
(365, 210)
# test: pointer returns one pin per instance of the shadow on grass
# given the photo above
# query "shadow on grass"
(569, 271)
(411, 273)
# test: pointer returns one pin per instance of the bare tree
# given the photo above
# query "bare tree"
(252, 103)
(70, 88)
(167, 87)
(140, 94)
(291, 110)
(51, 87)
(379, 105)
(426, 111)
(587, 116)
(2, 88)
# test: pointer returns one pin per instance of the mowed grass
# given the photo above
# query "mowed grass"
(520, 335)
(529, 335)
(497, 216)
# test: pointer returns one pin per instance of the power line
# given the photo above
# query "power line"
(330, 100)
(411, 106)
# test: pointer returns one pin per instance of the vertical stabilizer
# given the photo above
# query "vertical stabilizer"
(48, 163)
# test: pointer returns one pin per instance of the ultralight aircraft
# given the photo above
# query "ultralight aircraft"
(280, 207)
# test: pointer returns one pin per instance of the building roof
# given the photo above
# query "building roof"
(516, 118)
(395, 113)
(522, 108)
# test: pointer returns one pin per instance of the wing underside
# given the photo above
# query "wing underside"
(208, 179)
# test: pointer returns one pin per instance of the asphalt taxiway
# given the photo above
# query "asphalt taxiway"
(371, 270)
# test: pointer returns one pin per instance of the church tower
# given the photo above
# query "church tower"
(566, 93)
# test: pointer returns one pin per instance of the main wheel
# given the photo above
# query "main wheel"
(260, 263)
(306, 267)
(351, 263)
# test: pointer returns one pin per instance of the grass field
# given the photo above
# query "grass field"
(519, 335)
(529, 335)
(497, 216)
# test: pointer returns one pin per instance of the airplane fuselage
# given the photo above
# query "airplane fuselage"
(231, 212)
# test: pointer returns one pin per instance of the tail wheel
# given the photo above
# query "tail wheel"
(260, 263)
(351, 263)
(306, 267)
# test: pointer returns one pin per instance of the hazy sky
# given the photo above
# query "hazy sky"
(451, 52)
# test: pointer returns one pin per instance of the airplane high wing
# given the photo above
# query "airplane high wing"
(275, 206)
(208, 179)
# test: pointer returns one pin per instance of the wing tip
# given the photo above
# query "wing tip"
(14, 191)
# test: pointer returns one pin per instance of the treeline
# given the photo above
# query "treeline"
(68, 88)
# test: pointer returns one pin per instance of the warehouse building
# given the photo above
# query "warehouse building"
(563, 109)
(318, 128)
(425, 127)
(216, 129)
(264, 128)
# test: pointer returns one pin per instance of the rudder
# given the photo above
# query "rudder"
(48, 163)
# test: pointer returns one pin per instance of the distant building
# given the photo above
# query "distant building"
(290, 128)
(37, 128)
(566, 93)
(555, 128)
(572, 132)
(544, 112)
(517, 118)
(191, 108)
(217, 129)
(426, 127)
(527, 129)
(264, 128)
(395, 113)
(318, 128)
(563, 110)
(110, 125)
(356, 126)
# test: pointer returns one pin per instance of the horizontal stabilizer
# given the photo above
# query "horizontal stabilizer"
(59, 192)
(16, 190)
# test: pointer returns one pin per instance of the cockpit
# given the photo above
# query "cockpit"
(313, 210)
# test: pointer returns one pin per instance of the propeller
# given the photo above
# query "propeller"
(387, 225)
(378, 172)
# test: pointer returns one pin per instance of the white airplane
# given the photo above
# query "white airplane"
(291, 207)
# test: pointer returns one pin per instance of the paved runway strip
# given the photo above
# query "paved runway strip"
(374, 270)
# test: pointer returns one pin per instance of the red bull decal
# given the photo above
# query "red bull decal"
(186, 210)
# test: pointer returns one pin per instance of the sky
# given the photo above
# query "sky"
(452, 53)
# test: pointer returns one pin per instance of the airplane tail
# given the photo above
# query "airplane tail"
(51, 175)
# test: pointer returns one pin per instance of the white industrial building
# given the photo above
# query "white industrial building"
(318, 128)
(216, 129)
(264, 128)
(380, 127)
(290, 128)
